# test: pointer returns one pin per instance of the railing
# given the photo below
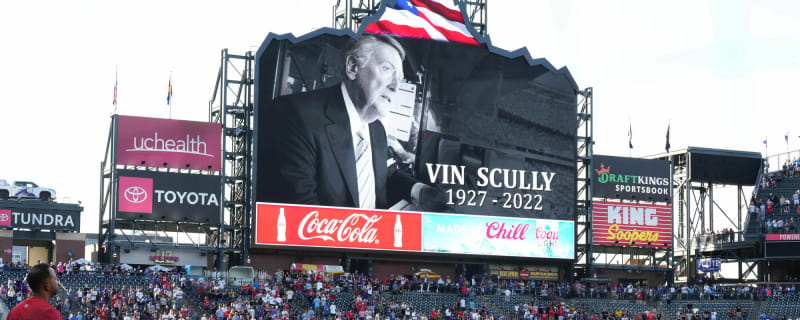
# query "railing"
(756, 188)
(718, 238)
(775, 162)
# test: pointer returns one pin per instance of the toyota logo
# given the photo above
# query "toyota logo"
(135, 194)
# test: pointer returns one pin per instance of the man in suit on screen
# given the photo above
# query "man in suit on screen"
(329, 147)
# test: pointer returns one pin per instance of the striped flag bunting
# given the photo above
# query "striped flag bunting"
(439, 20)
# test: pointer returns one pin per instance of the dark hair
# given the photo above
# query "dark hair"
(38, 275)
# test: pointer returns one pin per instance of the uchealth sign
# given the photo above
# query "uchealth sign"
(316, 226)
(631, 224)
(40, 218)
(153, 195)
(166, 143)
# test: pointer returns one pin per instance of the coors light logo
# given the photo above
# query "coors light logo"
(547, 236)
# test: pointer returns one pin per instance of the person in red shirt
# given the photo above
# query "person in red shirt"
(44, 285)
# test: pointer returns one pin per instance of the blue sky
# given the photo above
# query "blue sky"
(722, 72)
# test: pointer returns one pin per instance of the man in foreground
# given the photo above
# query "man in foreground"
(44, 285)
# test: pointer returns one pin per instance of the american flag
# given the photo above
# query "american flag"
(426, 19)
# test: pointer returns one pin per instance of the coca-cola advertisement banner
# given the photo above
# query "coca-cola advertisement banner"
(631, 224)
(165, 143)
(149, 195)
(498, 236)
(314, 226)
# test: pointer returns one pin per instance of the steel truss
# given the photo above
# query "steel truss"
(349, 14)
(588, 256)
(231, 104)
(115, 233)
(583, 185)
(695, 209)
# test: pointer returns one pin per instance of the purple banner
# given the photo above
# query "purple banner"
(167, 143)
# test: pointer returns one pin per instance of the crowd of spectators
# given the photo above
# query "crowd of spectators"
(170, 295)
(791, 168)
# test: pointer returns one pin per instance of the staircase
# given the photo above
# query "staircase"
(493, 308)
(785, 187)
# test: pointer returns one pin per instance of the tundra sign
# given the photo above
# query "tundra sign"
(152, 195)
(48, 219)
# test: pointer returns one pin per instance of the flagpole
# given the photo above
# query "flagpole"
(169, 101)
(116, 82)
(630, 137)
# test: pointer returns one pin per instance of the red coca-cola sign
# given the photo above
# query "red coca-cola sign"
(314, 226)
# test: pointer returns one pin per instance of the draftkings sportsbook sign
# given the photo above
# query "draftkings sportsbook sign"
(630, 178)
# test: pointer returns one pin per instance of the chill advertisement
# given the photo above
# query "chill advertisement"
(630, 178)
(381, 122)
(483, 235)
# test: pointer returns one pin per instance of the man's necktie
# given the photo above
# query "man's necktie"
(364, 174)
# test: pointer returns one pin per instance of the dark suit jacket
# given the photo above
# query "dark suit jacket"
(309, 155)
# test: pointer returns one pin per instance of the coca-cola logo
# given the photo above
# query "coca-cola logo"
(498, 230)
(356, 227)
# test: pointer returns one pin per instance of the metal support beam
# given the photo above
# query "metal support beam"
(232, 104)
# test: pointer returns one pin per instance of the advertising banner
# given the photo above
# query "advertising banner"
(40, 218)
(631, 224)
(783, 237)
(150, 195)
(147, 256)
(164, 143)
(498, 236)
(337, 227)
(487, 133)
(330, 227)
(630, 178)
(709, 265)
